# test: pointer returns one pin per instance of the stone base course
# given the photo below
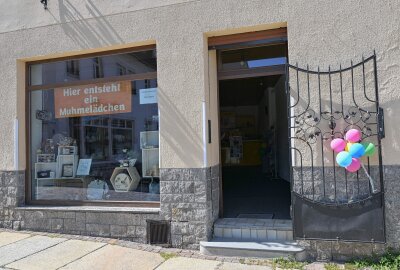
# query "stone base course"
(339, 250)
(129, 226)
(190, 201)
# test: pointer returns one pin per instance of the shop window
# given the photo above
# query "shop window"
(95, 141)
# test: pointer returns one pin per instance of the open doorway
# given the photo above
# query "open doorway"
(254, 133)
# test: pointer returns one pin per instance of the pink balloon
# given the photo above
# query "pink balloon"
(338, 145)
(354, 166)
(353, 135)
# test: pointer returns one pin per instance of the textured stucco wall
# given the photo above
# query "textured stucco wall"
(179, 33)
(30, 12)
(339, 31)
(319, 33)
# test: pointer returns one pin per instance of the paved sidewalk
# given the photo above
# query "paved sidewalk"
(43, 251)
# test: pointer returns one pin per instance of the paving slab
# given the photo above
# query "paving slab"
(239, 266)
(182, 263)
(8, 237)
(116, 258)
(57, 256)
(316, 266)
(26, 247)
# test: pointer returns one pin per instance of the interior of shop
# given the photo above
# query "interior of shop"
(254, 148)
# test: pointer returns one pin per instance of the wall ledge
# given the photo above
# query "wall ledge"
(102, 209)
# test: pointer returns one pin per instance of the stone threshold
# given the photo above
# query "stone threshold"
(253, 223)
(266, 250)
(102, 209)
(250, 229)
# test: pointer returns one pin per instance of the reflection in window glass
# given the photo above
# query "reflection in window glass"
(97, 141)
(72, 68)
(98, 68)
(254, 57)
(93, 68)
(266, 62)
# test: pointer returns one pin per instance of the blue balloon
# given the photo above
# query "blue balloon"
(356, 150)
(344, 159)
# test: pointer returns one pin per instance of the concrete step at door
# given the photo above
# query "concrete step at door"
(237, 248)
(253, 229)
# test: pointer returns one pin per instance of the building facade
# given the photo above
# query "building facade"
(120, 117)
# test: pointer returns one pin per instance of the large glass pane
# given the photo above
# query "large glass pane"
(254, 57)
(95, 142)
(94, 68)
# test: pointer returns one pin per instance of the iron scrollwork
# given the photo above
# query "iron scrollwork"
(323, 191)
(314, 127)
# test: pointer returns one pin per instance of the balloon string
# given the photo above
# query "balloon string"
(371, 181)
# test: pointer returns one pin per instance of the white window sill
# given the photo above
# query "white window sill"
(103, 209)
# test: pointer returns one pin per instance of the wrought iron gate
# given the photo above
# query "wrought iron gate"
(328, 201)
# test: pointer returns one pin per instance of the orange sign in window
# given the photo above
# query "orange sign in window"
(93, 99)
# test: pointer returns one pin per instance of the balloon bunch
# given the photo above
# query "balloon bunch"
(350, 150)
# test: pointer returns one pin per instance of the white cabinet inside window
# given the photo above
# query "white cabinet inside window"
(150, 162)
(149, 141)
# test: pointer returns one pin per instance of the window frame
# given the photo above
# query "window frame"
(74, 67)
(28, 88)
(250, 72)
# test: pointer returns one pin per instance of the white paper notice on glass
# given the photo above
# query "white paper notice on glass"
(148, 96)
(84, 166)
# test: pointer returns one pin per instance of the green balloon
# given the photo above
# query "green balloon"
(369, 149)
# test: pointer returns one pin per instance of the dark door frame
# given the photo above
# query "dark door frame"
(222, 78)
(241, 41)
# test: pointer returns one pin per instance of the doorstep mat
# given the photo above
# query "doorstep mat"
(256, 216)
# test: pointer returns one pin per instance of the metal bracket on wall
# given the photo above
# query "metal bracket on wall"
(381, 123)
(209, 131)
(44, 2)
